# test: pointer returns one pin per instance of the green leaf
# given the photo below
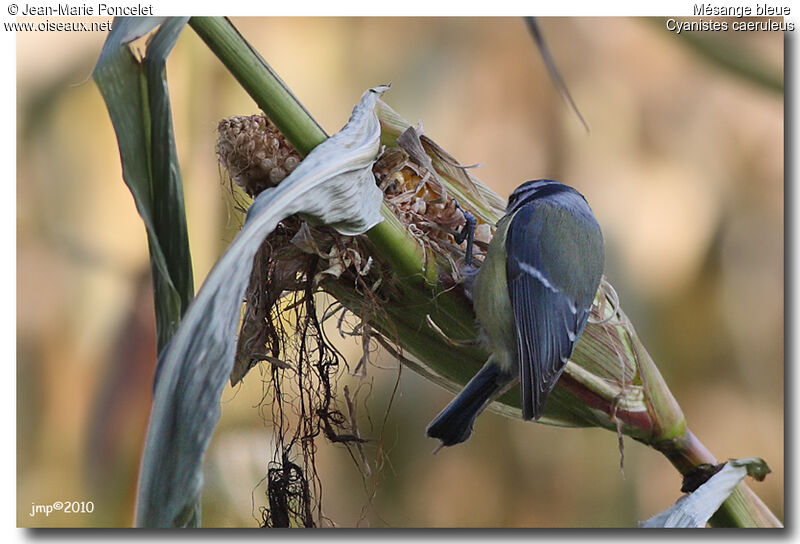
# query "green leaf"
(135, 92)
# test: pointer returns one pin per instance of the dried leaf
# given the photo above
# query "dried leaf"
(695, 509)
(333, 185)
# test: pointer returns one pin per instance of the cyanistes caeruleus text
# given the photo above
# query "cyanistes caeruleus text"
(532, 297)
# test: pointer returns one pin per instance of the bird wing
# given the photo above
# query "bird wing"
(548, 320)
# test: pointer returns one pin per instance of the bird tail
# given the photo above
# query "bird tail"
(454, 424)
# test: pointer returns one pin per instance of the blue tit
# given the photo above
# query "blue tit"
(532, 296)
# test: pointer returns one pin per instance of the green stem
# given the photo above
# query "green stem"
(297, 125)
(419, 271)
(742, 509)
(260, 81)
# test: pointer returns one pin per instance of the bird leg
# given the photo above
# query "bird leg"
(467, 232)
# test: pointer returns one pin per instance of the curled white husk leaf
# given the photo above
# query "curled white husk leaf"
(334, 185)
(693, 510)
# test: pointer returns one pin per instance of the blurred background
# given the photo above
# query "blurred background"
(683, 167)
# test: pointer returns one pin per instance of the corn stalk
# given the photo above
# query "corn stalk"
(592, 392)
(610, 381)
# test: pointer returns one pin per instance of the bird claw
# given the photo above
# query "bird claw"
(467, 233)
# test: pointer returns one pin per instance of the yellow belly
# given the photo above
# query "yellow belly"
(492, 304)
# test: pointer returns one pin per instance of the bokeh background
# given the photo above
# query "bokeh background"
(683, 167)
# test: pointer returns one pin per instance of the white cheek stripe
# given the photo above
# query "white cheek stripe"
(533, 271)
